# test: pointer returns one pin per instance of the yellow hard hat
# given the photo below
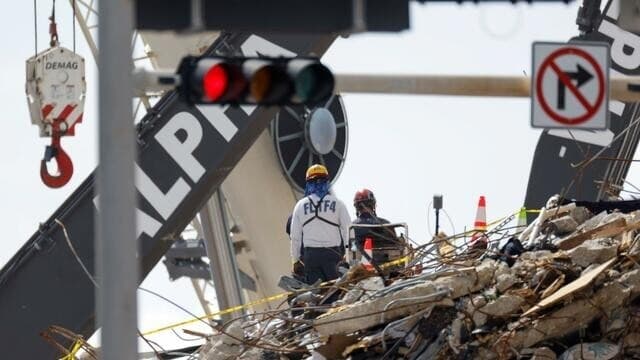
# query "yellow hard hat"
(316, 171)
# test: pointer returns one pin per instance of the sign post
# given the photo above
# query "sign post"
(570, 85)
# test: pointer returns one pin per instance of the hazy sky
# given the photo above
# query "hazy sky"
(404, 148)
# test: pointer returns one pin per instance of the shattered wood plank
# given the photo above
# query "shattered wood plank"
(406, 301)
(627, 240)
(607, 230)
(576, 315)
(576, 285)
(553, 287)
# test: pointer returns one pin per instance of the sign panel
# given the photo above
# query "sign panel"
(570, 85)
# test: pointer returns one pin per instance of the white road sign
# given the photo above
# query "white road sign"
(570, 85)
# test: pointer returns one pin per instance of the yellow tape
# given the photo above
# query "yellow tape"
(399, 261)
(221, 312)
(74, 350)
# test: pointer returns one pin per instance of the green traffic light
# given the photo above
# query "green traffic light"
(313, 83)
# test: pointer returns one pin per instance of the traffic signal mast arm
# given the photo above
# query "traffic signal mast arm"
(622, 89)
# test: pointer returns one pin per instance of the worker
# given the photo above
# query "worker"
(364, 202)
(319, 229)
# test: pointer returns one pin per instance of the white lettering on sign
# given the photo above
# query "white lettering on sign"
(625, 45)
(145, 224)
(182, 151)
(258, 46)
(163, 203)
(216, 116)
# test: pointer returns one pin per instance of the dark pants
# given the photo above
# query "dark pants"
(321, 263)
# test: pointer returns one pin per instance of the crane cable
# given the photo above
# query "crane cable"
(73, 21)
(53, 27)
(35, 25)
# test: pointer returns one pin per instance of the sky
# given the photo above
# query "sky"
(403, 148)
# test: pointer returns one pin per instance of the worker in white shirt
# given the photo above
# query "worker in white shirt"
(319, 229)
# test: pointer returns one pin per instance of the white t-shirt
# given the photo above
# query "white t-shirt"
(318, 233)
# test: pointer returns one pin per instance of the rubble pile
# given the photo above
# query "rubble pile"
(566, 287)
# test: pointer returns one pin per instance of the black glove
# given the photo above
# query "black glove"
(298, 268)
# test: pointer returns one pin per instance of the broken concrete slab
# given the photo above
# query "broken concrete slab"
(593, 252)
(564, 225)
(609, 229)
(406, 301)
(505, 306)
(580, 214)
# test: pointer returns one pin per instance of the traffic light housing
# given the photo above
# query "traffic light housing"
(255, 80)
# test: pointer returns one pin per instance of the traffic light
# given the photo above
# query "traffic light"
(255, 80)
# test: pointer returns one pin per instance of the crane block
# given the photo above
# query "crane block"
(56, 90)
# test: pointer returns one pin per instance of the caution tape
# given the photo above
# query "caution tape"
(402, 260)
(74, 350)
(473, 231)
(218, 313)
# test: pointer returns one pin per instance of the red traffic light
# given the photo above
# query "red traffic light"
(215, 82)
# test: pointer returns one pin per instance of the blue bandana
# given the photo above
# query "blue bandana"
(319, 187)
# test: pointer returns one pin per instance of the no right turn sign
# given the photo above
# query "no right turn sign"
(570, 84)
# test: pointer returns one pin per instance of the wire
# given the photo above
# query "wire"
(149, 343)
(35, 25)
(176, 305)
(450, 221)
(183, 338)
(75, 254)
(430, 233)
(73, 4)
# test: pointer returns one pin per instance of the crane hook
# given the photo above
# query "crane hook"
(55, 151)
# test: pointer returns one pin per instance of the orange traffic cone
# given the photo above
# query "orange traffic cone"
(481, 216)
(368, 249)
(479, 239)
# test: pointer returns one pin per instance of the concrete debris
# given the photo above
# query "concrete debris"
(573, 292)
(591, 351)
(544, 353)
(505, 281)
(593, 252)
(564, 225)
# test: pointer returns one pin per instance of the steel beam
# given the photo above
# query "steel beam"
(222, 258)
